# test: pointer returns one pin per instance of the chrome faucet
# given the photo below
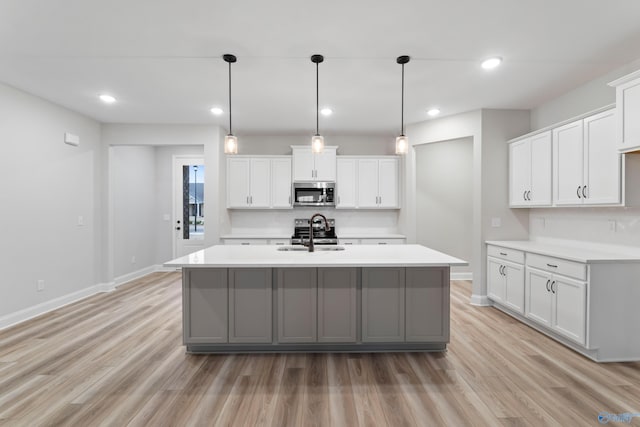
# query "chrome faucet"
(326, 227)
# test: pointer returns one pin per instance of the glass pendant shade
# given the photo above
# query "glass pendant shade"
(230, 144)
(402, 144)
(317, 144)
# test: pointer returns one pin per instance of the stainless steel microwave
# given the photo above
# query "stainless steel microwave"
(314, 194)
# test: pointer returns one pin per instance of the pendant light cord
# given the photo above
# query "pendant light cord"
(402, 105)
(230, 131)
(317, 102)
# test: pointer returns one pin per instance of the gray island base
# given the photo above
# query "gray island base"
(363, 299)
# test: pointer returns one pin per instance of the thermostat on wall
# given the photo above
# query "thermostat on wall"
(71, 139)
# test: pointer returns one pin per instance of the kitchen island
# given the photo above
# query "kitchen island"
(266, 298)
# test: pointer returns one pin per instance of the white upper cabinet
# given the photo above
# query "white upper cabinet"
(602, 162)
(346, 183)
(281, 182)
(586, 164)
(628, 117)
(259, 182)
(370, 182)
(388, 183)
(308, 166)
(530, 171)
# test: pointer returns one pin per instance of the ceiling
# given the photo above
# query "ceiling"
(162, 58)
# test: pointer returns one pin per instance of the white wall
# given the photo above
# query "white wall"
(46, 185)
(584, 224)
(133, 174)
(169, 140)
(347, 144)
(444, 197)
(489, 130)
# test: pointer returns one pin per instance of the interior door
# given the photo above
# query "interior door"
(189, 209)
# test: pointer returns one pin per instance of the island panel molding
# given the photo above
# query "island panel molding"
(363, 298)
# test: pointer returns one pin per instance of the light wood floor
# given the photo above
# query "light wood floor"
(117, 359)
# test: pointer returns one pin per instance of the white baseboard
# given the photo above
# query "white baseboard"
(480, 300)
(42, 308)
(461, 276)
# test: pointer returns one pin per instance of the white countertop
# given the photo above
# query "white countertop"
(352, 256)
(574, 251)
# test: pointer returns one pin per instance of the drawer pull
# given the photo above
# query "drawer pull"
(245, 243)
(503, 254)
(552, 266)
(548, 281)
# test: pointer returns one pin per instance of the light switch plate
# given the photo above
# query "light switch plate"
(166, 217)
(496, 222)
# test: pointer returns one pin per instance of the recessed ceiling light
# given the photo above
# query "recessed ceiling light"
(217, 111)
(491, 63)
(433, 112)
(107, 99)
(326, 111)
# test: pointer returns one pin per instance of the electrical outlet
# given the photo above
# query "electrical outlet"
(80, 220)
(133, 259)
(40, 285)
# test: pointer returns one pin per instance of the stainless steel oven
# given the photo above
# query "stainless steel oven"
(314, 193)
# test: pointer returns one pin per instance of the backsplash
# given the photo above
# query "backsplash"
(267, 222)
(607, 226)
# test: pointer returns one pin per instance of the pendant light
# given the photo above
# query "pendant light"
(402, 142)
(317, 141)
(230, 141)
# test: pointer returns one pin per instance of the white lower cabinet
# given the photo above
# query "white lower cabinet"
(557, 302)
(505, 278)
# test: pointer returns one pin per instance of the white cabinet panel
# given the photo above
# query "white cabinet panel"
(628, 105)
(538, 296)
(519, 172)
(602, 162)
(260, 183)
(308, 166)
(569, 311)
(568, 164)
(388, 183)
(495, 280)
(346, 180)
(281, 183)
(238, 182)
(530, 171)
(367, 183)
(541, 172)
(514, 286)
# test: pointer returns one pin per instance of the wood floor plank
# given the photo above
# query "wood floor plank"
(118, 359)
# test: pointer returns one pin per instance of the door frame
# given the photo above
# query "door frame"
(174, 190)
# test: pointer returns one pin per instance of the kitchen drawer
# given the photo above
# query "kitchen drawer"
(558, 266)
(382, 241)
(512, 255)
(246, 241)
(349, 241)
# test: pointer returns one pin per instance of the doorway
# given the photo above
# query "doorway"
(444, 199)
(189, 204)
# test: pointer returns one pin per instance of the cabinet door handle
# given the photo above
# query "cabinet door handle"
(552, 266)
(289, 198)
(553, 283)
(584, 191)
(578, 191)
(524, 195)
(548, 281)
(529, 195)
(247, 199)
(380, 199)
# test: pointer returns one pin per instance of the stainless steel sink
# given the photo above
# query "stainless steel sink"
(305, 249)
